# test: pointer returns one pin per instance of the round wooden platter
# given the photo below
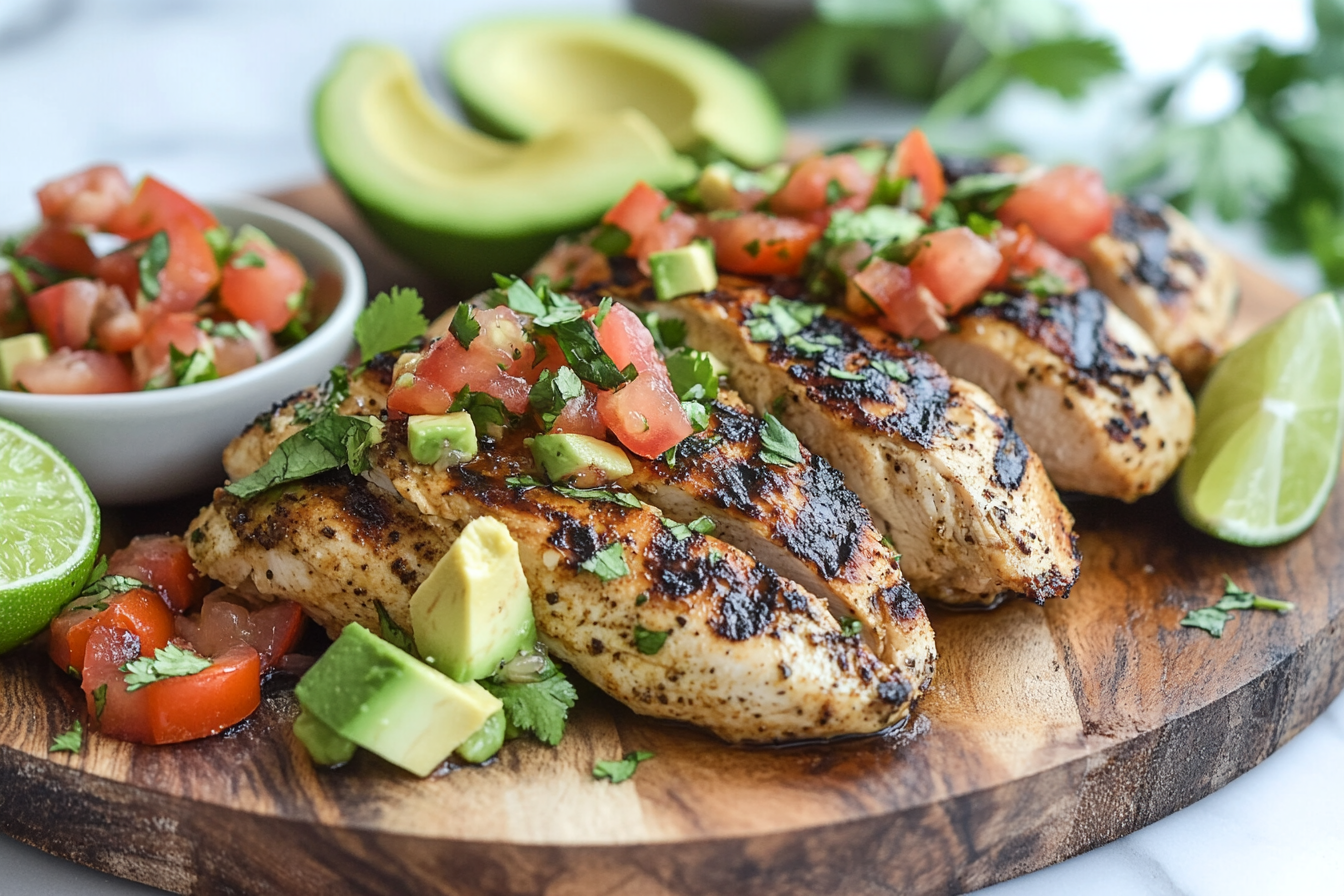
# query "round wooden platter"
(1047, 731)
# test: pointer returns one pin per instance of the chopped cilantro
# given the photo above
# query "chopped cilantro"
(603, 309)
(617, 770)
(95, 594)
(697, 413)
(892, 368)
(668, 333)
(69, 742)
(610, 240)
(642, 599)
(220, 241)
(840, 373)
(778, 445)
(607, 564)
(1213, 619)
(1210, 619)
(169, 661)
(835, 191)
(248, 259)
(1045, 284)
(670, 456)
(753, 248)
(393, 320)
(151, 265)
(578, 340)
(464, 326)
(193, 368)
(552, 392)
(649, 642)
(993, 299)
(393, 633)
(540, 706)
(99, 700)
(849, 626)
(601, 495)
(781, 318)
(682, 531)
(485, 409)
(690, 369)
(983, 193)
(331, 442)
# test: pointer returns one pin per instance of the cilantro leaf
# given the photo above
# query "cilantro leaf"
(1066, 65)
(778, 445)
(1045, 284)
(95, 594)
(780, 318)
(607, 564)
(610, 240)
(523, 482)
(1210, 619)
(649, 642)
(697, 413)
(682, 531)
(99, 700)
(668, 333)
(892, 368)
(485, 409)
(850, 627)
(392, 321)
(393, 633)
(617, 770)
(151, 265)
(70, 742)
(169, 661)
(248, 259)
(1237, 598)
(601, 495)
(463, 326)
(331, 442)
(552, 392)
(523, 299)
(194, 368)
(537, 706)
(578, 340)
(688, 369)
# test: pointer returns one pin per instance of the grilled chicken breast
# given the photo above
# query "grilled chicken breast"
(1165, 275)
(1086, 388)
(934, 459)
(751, 655)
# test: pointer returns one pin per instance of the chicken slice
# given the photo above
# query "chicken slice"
(933, 458)
(1086, 388)
(1165, 274)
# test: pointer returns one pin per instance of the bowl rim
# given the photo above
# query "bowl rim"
(338, 326)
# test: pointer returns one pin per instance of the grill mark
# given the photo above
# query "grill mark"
(904, 603)
(1139, 220)
(1010, 458)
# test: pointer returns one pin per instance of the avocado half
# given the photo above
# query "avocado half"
(459, 203)
(525, 77)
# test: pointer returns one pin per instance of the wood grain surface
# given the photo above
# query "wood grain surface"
(1047, 732)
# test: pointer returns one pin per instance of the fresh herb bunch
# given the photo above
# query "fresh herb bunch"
(958, 55)
(1278, 157)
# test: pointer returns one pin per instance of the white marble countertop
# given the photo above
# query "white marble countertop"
(214, 97)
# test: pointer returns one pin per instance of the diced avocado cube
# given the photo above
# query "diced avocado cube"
(431, 436)
(390, 703)
(17, 349)
(474, 612)
(323, 744)
(581, 460)
(682, 271)
(486, 741)
(715, 185)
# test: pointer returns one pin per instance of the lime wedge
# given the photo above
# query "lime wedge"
(1268, 430)
(49, 528)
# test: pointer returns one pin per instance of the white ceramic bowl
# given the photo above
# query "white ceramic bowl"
(146, 446)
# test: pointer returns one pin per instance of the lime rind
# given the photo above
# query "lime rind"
(1270, 430)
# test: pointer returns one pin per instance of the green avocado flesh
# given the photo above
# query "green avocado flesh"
(528, 77)
(474, 611)
(682, 271)
(17, 349)
(580, 460)
(486, 741)
(429, 436)
(388, 702)
(323, 744)
(459, 203)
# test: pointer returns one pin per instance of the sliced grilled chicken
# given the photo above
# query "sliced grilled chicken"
(934, 459)
(1164, 274)
(751, 655)
(1086, 388)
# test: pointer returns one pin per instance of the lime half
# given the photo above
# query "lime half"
(1268, 430)
(49, 528)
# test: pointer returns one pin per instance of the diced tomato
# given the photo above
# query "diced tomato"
(156, 206)
(264, 284)
(638, 211)
(152, 357)
(116, 326)
(60, 247)
(580, 416)
(914, 158)
(121, 268)
(823, 183)
(955, 265)
(1025, 256)
(677, 230)
(907, 308)
(67, 372)
(645, 414)
(13, 310)
(546, 356)
(191, 271)
(139, 611)
(757, 243)
(235, 353)
(171, 710)
(163, 562)
(89, 198)
(64, 312)
(495, 363)
(1067, 206)
(226, 620)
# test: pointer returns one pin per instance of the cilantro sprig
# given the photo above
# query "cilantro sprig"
(1215, 618)
(779, 446)
(617, 770)
(394, 320)
(169, 661)
(607, 564)
(541, 706)
(71, 741)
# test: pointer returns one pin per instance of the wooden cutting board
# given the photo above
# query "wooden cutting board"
(1047, 732)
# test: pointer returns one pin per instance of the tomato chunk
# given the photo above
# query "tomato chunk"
(580, 416)
(64, 312)
(1067, 206)
(117, 713)
(226, 620)
(191, 271)
(264, 284)
(67, 372)
(955, 265)
(495, 363)
(821, 183)
(121, 268)
(757, 243)
(677, 230)
(907, 308)
(152, 357)
(162, 561)
(914, 158)
(1025, 256)
(645, 414)
(116, 326)
(60, 247)
(156, 206)
(638, 211)
(139, 611)
(88, 198)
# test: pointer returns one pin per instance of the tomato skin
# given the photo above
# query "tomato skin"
(88, 198)
(272, 630)
(116, 326)
(955, 265)
(804, 194)
(235, 354)
(760, 244)
(61, 247)
(645, 415)
(139, 611)
(121, 268)
(580, 416)
(638, 211)
(64, 312)
(67, 372)
(263, 294)
(907, 308)
(1067, 206)
(162, 562)
(914, 158)
(156, 206)
(122, 714)
(151, 358)
(1024, 256)
(489, 366)
(191, 271)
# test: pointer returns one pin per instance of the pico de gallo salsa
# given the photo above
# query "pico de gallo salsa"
(162, 295)
(896, 234)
